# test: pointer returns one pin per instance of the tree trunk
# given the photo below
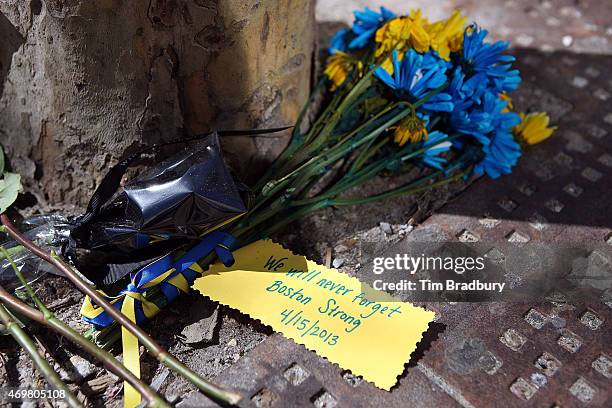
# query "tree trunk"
(84, 81)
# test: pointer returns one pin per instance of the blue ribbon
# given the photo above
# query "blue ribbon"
(220, 242)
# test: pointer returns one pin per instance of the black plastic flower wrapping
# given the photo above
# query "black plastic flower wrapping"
(167, 207)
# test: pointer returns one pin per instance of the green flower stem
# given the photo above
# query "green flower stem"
(344, 184)
(255, 220)
(49, 320)
(373, 119)
(308, 150)
(154, 348)
(302, 212)
(297, 134)
(39, 304)
(370, 172)
(356, 177)
(347, 145)
(319, 139)
(350, 180)
(366, 154)
(412, 107)
(409, 189)
(313, 171)
(361, 86)
(283, 181)
(12, 251)
(343, 147)
(343, 142)
(344, 139)
(326, 115)
(373, 169)
(41, 364)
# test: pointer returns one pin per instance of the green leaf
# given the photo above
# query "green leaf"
(10, 187)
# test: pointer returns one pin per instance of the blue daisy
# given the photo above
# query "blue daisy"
(503, 78)
(490, 59)
(482, 120)
(480, 55)
(466, 92)
(436, 146)
(365, 25)
(500, 155)
(416, 76)
(338, 41)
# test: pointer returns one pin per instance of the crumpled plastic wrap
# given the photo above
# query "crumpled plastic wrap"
(167, 207)
(46, 231)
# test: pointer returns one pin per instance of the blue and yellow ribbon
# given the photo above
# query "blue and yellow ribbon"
(172, 277)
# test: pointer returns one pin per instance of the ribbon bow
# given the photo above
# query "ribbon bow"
(171, 276)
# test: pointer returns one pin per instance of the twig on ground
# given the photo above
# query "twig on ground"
(41, 364)
(48, 319)
(155, 349)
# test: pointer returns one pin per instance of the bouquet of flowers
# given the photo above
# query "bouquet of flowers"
(404, 93)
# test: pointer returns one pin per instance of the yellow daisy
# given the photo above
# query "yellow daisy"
(338, 67)
(419, 38)
(412, 129)
(533, 128)
(401, 33)
(447, 35)
(391, 35)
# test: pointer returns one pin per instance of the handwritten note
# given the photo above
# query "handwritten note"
(360, 329)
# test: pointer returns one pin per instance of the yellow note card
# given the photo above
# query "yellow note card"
(359, 328)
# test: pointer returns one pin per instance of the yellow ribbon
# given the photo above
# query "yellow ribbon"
(129, 342)
(131, 355)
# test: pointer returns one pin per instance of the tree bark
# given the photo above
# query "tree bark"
(85, 81)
